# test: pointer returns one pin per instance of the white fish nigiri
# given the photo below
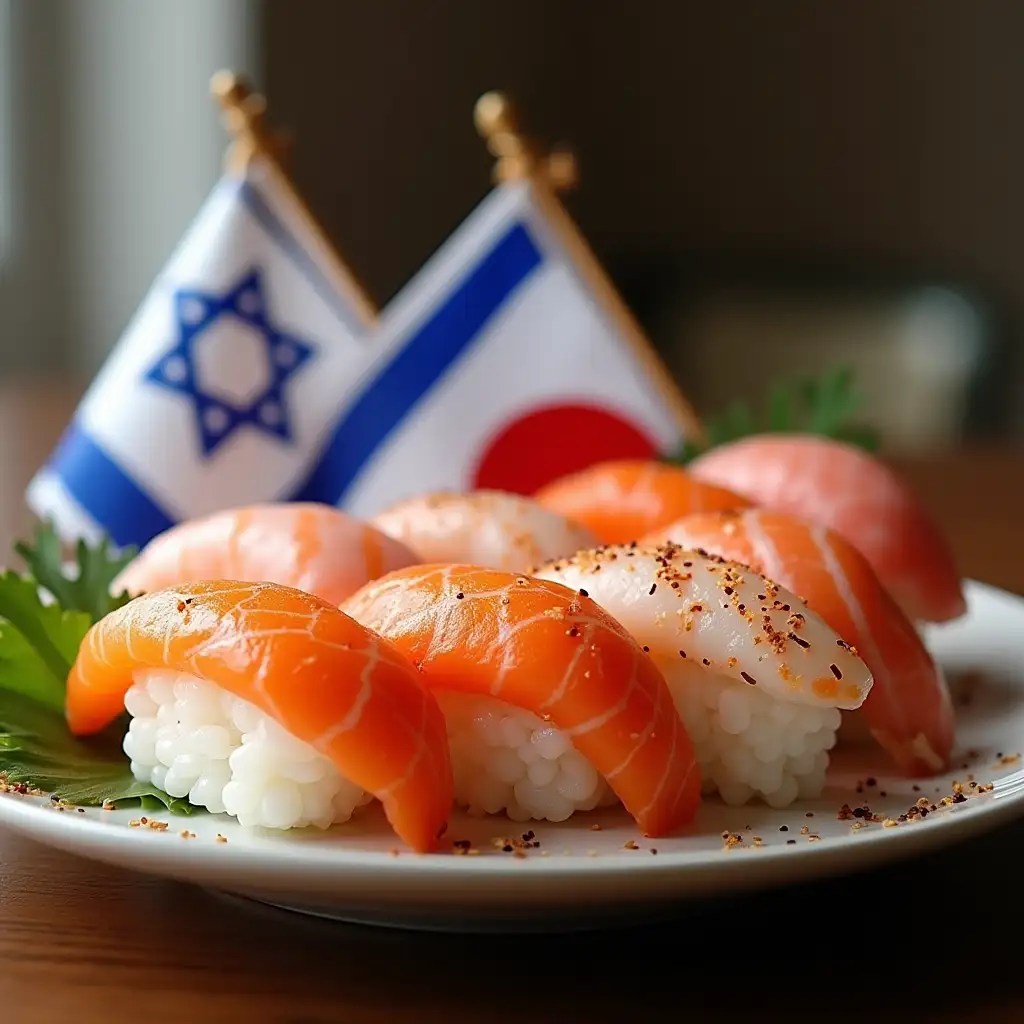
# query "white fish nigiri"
(758, 678)
(486, 528)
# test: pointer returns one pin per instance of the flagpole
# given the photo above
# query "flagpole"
(518, 159)
(244, 116)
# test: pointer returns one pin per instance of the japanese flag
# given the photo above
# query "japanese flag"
(506, 362)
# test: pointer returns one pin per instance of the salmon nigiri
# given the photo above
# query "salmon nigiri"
(908, 710)
(758, 678)
(552, 706)
(267, 704)
(622, 500)
(489, 528)
(312, 547)
(851, 492)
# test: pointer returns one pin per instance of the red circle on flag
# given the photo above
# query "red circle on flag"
(552, 441)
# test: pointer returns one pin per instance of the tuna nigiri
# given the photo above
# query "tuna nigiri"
(267, 704)
(622, 500)
(315, 548)
(849, 491)
(488, 528)
(758, 678)
(552, 706)
(908, 710)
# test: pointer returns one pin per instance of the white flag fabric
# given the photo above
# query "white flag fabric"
(499, 365)
(225, 383)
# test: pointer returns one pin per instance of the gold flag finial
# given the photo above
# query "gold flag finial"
(517, 157)
(244, 117)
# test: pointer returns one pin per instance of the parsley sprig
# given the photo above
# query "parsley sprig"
(824, 405)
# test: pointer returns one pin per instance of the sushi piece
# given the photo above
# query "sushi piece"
(552, 707)
(908, 710)
(620, 501)
(312, 547)
(488, 528)
(268, 704)
(851, 492)
(758, 678)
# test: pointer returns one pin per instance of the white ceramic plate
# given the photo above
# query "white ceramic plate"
(581, 875)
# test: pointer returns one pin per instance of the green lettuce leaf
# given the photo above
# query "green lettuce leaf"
(37, 749)
(39, 641)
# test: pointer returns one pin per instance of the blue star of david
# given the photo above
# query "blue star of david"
(216, 418)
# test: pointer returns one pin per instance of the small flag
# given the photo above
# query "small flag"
(506, 362)
(221, 389)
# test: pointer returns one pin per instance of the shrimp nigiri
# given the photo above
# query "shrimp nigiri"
(552, 706)
(758, 678)
(488, 528)
(854, 494)
(267, 704)
(312, 547)
(620, 501)
(908, 710)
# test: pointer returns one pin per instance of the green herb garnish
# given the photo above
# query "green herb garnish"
(96, 568)
(36, 749)
(824, 406)
(39, 640)
(38, 643)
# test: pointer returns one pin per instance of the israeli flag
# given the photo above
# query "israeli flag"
(225, 383)
(507, 361)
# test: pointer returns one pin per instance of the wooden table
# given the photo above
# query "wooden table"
(933, 939)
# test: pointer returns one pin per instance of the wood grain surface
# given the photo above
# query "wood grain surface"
(933, 939)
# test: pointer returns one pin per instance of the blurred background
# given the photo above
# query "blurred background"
(774, 187)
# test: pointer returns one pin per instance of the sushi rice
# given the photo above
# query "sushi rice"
(749, 744)
(508, 759)
(196, 741)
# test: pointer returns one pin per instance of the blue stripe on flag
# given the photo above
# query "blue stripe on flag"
(110, 496)
(292, 248)
(419, 365)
